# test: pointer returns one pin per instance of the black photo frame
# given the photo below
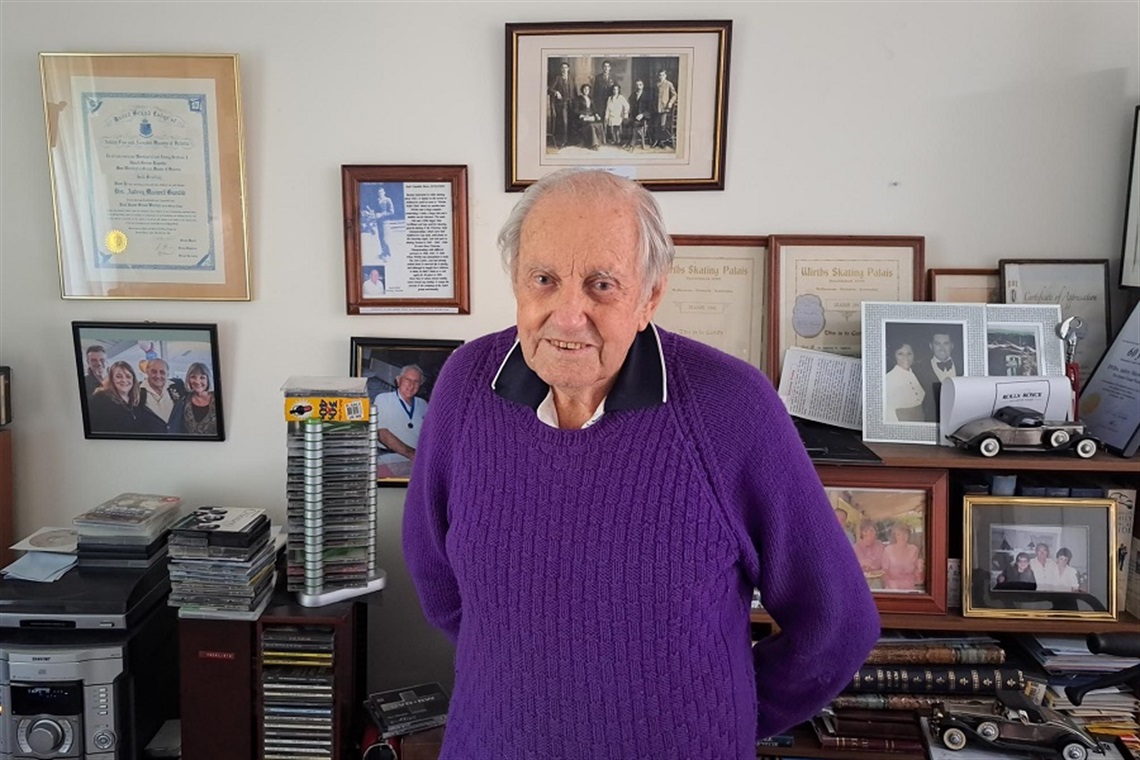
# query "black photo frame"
(107, 354)
(382, 361)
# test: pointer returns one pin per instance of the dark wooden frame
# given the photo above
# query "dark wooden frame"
(1130, 254)
(735, 241)
(414, 351)
(932, 276)
(352, 176)
(146, 331)
(721, 28)
(935, 484)
(776, 242)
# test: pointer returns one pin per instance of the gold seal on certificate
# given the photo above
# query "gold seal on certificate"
(116, 241)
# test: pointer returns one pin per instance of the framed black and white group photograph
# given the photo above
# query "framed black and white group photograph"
(648, 99)
(146, 380)
(401, 374)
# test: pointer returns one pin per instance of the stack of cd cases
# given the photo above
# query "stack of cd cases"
(222, 563)
(330, 485)
(297, 692)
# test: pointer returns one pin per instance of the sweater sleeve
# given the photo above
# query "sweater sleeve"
(794, 551)
(426, 515)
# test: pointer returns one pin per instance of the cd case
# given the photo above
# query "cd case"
(407, 710)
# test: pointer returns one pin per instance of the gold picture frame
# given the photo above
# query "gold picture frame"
(1003, 576)
(148, 175)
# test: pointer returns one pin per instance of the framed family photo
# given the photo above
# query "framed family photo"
(817, 284)
(401, 374)
(645, 99)
(405, 239)
(909, 350)
(896, 522)
(148, 380)
(148, 175)
(716, 293)
(1030, 557)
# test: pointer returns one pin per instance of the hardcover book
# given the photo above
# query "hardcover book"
(404, 711)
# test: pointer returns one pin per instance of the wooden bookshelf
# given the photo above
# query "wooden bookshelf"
(954, 622)
(949, 458)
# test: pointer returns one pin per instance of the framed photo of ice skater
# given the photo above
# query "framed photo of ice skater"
(1030, 557)
(148, 175)
(645, 99)
(401, 374)
(909, 350)
(148, 380)
(405, 239)
(817, 283)
(716, 293)
(896, 522)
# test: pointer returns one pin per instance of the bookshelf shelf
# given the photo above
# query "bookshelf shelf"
(806, 745)
(953, 621)
(945, 457)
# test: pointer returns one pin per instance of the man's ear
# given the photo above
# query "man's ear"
(654, 300)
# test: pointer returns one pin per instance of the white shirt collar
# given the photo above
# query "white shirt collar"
(548, 413)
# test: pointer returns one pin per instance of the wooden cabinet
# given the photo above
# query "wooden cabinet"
(956, 463)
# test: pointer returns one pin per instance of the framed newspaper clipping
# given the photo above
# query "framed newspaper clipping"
(148, 175)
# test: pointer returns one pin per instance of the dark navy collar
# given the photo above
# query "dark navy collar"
(640, 382)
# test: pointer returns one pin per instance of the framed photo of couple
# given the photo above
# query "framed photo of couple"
(896, 522)
(1030, 557)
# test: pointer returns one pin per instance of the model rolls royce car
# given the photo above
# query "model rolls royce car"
(1015, 724)
(1019, 429)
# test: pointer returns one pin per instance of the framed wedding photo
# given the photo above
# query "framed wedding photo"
(896, 522)
(150, 381)
(963, 285)
(401, 374)
(716, 293)
(817, 283)
(645, 99)
(1080, 286)
(148, 175)
(405, 239)
(1031, 557)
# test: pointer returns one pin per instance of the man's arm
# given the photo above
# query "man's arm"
(392, 443)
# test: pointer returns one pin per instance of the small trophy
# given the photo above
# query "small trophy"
(1067, 331)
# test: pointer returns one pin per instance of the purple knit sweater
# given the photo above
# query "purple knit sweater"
(597, 582)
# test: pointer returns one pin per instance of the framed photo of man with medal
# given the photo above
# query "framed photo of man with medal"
(401, 374)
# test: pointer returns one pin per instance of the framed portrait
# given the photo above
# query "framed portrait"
(147, 175)
(963, 285)
(1130, 252)
(1080, 286)
(896, 522)
(401, 374)
(148, 380)
(909, 350)
(645, 99)
(405, 239)
(1022, 341)
(716, 293)
(1030, 557)
(817, 284)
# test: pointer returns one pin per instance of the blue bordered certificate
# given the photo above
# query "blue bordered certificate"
(147, 171)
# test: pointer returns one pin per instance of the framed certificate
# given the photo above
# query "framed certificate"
(818, 284)
(148, 175)
(716, 293)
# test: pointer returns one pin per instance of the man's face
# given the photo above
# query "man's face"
(156, 374)
(942, 346)
(565, 71)
(660, 76)
(639, 86)
(1042, 554)
(97, 363)
(605, 69)
(409, 384)
(578, 284)
(374, 276)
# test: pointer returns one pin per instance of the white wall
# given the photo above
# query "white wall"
(994, 129)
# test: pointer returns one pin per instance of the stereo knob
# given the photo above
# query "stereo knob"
(103, 740)
(45, 736)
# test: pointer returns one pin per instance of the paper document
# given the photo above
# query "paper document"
(40, 566)
(823, 387)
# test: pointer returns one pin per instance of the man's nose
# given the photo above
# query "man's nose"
(571, 309)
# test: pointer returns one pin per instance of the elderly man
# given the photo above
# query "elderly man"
(589, 513)
(155, 400)
(401, 416)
